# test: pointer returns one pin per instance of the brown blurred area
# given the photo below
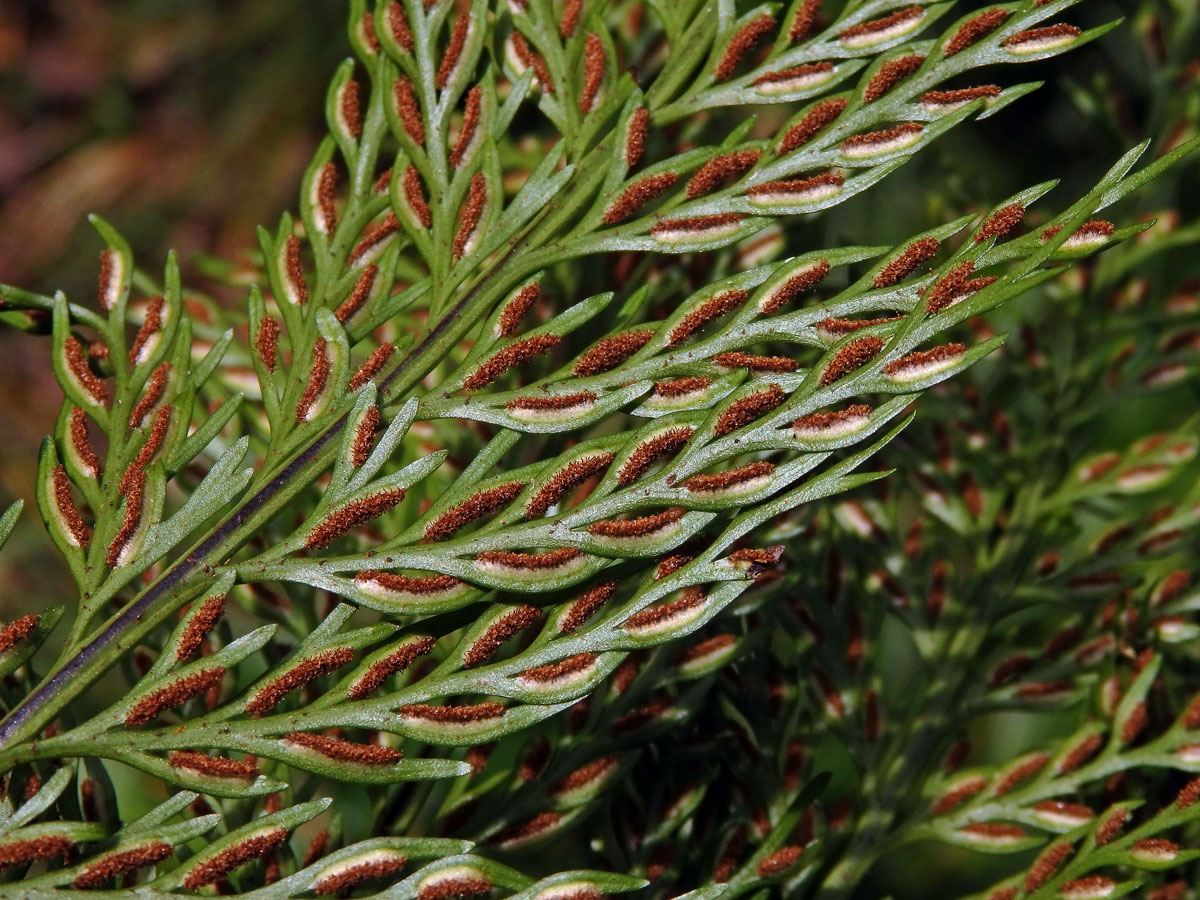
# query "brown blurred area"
(185, 123)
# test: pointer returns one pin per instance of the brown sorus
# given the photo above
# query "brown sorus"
(705, 648)
(961, 95)
(641, 526)
(718, 481)
(731, 850)
(156, 387)
(478, 505)
(82, 443)
(453, 715)
(556, 402)
(201, 622)
(364, 434)
(108, 867)
(267, 342)
(975, 29)
(158, 431)
(455, 888)
(924, 357)
(350, 874)
(78, 364)
(350, 109)
(712, 308)
(345, 751)
(570, 18)
(663, 612)
(527, 829)
(806, 16)
(358, 294)
(903, 265)
(797, 186)
(720, 170)
(1093, 228)
(636, 718)
(995, 830)
(469, 215)
(150, 325)
(316, 848)
(533, 60)
(843, 327)
(779, 861)
(269, 695)
(106, 297)
(372, 367)
(326, 188)
(746, 410)
(213, 766)
(16, 631)
(756, 556)
(415, 196)
(470, 125)
(1092, 886)
(572, 665)
(1025, 769)
(679, 387)
(81, 533)
(566, 479)
(586, 605)
(1038, 689)
(221, 864)
(663, 444)
(391, 664)
(743, 41)
(514, 354)
(1046, 865)
(586, 774)
(816, 120)
(1080, 754)
(23, 852)
(1040, 34)
(637, 195)
(510, 623)
(174, 694)
(890, 74)
(697, 223)
(409, 110)
(958, 792)
(355, 513)
(881, 137)
(1135, 723)
(1188, 794)
(801, 71)
(134, 483)
(593, 72)
(948, 288)
(398, 22)
(318, 377)
(794, 287)
(882, 24)
(374, 235)
(739, 360)
(635, 136)
(852, 356)
(551, 559)
(610, 352)
(515, 309)
(454, 49)
(294, 268)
